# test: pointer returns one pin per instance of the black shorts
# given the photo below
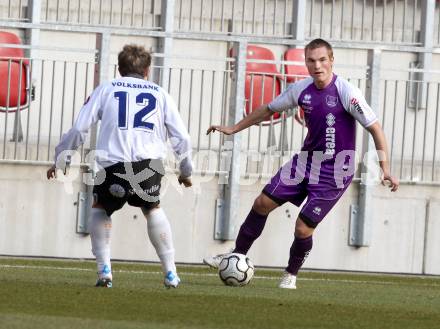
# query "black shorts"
(137, 183)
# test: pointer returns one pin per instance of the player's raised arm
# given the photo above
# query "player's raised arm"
(260, 114)
(288, 99)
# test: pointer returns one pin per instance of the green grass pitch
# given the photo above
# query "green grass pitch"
(60, 294)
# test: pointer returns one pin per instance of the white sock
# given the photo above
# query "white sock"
(159, 231)
(100, 231)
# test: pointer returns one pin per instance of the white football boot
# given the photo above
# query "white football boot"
(171, 280)
(288, 281)
(214, 261)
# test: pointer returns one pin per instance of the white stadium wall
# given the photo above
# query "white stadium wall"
(38, 218)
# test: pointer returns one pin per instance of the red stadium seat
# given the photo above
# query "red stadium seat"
(296, 70)
(11, 38)
(263, 81)
(14, 70)
(17, 88)
(261, 89)
(260, 53)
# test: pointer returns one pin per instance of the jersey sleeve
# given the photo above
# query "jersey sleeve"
(354, 103)
(178, 135)
(286, 100)
(89, 114)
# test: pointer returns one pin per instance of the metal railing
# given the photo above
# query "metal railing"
(116, 13)
(375, 20)
(412, 130)
(249, 17)
(409, 111)
(385, 21)
(14, 10)
(134, 13)
(437, 25)
(60, 88)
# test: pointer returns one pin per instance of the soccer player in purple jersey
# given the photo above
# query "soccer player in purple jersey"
(324, 168)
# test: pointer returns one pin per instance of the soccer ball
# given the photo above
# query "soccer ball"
(236, 270)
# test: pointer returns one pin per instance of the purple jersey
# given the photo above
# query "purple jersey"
(320, 172)
(329, 113)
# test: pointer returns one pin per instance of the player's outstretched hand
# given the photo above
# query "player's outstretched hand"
(52, 172)
(223, 129)
(392, 182)
(186, 181)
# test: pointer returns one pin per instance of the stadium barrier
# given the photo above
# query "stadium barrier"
(203, 97)
(382, 21)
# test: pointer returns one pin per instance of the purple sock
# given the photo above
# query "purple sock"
(298, 253)
(250, 230)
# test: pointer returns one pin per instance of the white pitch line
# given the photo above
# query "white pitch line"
(41, 267)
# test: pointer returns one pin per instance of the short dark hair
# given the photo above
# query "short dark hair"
(133, 59)
(318, 43)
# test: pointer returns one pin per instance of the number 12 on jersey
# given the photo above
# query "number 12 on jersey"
(148, 101)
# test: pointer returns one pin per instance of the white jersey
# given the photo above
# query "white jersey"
(137, 117)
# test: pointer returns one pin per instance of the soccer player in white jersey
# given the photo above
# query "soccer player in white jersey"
(324, 168)
(137, 116)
